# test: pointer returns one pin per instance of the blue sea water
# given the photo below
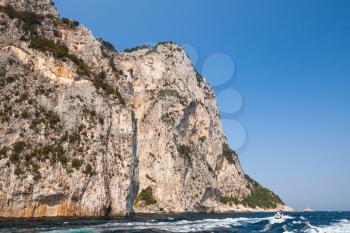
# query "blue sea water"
(328, 222)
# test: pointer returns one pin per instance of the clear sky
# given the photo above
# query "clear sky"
(287, 105)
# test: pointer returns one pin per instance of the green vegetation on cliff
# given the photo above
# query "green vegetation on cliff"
(229, 154)
(146, 196)
(261, 197)
(100, 82)
(184, 151)
(229, 200)
(59, 51)
(29, 22)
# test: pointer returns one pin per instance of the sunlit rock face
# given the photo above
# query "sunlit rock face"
(88, 131)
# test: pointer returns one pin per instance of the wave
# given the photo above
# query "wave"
(272, 221)
(205, 225)
(81, 230)
(340, 226)
(179, 226)
(254, 223)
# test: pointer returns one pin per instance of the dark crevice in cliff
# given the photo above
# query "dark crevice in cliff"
(134, 185)
(108, 210)
(105, 166)
(183, 126)
(50, 200)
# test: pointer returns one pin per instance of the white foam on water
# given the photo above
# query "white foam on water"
(273, 221)
(285, 230)
(82, 230)
(180, 226)
(297, 222)
(189, 226)
(342, 226)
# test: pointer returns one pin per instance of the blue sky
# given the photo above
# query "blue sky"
(291, 71)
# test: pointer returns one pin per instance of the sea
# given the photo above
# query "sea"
(329, 222)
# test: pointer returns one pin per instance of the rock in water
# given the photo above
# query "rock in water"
(89, 131)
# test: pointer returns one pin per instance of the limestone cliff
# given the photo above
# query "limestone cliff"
(89, 131)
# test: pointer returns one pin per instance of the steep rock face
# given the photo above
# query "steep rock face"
(179, 134)
(88, 131)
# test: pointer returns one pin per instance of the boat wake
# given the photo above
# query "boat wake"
(317, 222)
(171, 225)
(340, 226)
